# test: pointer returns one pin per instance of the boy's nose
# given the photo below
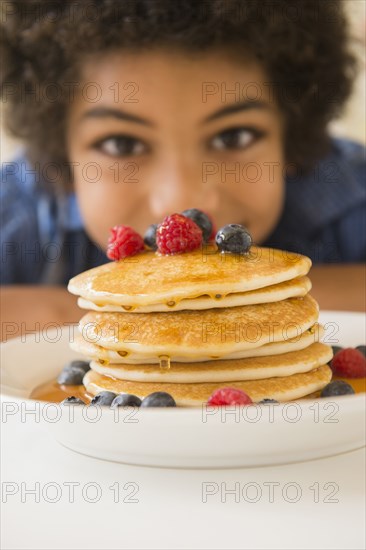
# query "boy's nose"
(179, 190)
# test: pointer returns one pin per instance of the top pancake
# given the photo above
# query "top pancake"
(151, 278)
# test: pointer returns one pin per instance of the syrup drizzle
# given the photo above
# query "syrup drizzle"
(217, 296)
(164, 361)
(123, 353)
(128, 308)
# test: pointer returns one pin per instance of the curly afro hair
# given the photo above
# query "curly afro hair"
(301, 45)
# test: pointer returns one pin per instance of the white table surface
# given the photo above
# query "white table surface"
(170, 511)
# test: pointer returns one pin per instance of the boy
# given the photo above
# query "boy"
(134, 110)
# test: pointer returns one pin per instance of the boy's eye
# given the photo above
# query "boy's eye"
(235, 138)
(120, 146)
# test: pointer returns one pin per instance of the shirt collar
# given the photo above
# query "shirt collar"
(334, 186)
(66, 208)
(73, 220)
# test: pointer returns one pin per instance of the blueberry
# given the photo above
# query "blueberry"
(126, 400)
(73, 373)
(233, 238)
(85, 365)
(267, 401)
(158, 399)
(72, 400)
(201, 219)
(104, 398)
(150, 236)
(337, 387)
(362, 349)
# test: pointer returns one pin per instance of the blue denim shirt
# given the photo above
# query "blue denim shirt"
(43, 240)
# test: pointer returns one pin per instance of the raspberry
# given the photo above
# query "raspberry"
(229, 396)
(178, 234)
(350, 363)
(123, 242)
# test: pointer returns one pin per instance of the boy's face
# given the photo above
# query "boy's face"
(155, 133)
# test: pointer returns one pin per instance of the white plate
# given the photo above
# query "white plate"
(188, 438)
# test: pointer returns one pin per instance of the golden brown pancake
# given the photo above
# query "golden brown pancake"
(150, 278)
(212, 332)
(96, 352)
(274, 293)
(221, 319)
(253, 368)
(285, 388)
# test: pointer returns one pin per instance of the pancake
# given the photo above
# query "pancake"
(96, 352)
(254, 368)
(285, 388)
(150, 278)
(274, 293)
(211, 332)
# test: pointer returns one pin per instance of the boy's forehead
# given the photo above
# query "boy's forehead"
(203, 81)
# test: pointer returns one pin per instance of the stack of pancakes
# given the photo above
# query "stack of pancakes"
(191, 323)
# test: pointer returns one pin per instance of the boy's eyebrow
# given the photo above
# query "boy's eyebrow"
(103, 112)
(236, 107)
